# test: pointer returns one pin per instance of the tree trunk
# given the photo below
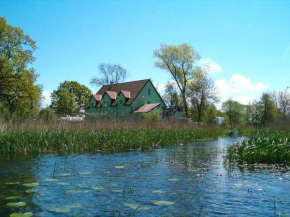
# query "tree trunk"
(185, 105)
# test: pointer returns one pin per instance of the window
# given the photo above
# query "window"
(121, 102)
(149, 92)
(92, 105)
(106, 104)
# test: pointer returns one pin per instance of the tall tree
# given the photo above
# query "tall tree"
(268, 109)
(170, 96)
(109, 73)
(63, 102)
(234, 112)
(80, 92)
(179, 62)
(18, 91)
(282, 102)
(202, 92)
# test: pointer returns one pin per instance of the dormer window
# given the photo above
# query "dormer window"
(149, 91)
(92, 105)
(106, 104)
(121, 102)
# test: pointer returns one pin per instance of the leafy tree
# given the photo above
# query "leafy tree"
(152, 116)
(170, 96)
(109, 73)
(268, 109)
(179, 62)
(282, 102)
(17, 89)
(210, 115)
(47, 114)
(63, 102)
(234, 112)
(80, 92)
(202, 93)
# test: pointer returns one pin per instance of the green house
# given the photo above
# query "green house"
(125, 100)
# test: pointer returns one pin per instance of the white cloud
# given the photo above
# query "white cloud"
(46, 98)
(240, 88)
(213, 67)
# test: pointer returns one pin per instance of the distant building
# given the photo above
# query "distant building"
(125, 100)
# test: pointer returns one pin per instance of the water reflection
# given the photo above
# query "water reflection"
(186, 180)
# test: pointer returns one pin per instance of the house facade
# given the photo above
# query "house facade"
(125, 100)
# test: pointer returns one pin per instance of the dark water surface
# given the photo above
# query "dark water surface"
(188, 180)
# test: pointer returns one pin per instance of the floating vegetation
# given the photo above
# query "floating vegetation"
(77, 191)
(116, 190)
(60, 209)
(98, 188)
(158, 192)
(12, 183)
(174, 180)
(163, 203)
(12, 198)
(63, 183)
(35, 141)
(270, 146)
(50, 180)
(29, 191)
(26, 214)
(237, 185)
(17, 204)
(120, 167)
(64, 174)
(33, 184)
(132, 206)
(85, 173)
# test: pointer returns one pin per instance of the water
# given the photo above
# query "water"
(188, 180)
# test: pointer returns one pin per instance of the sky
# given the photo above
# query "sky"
(245, 43)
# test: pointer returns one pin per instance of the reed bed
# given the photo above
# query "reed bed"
(263, 147)
(40, 137)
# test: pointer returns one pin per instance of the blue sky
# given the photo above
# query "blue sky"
(246, 43)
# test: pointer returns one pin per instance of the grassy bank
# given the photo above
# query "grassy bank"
(33, 138)
(267, 146)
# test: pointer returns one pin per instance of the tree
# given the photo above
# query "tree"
(63, 102)
(268, 109)
(109, 73)
(47, 114)
(80, 92)
(282, 102)
(234, 112)
(202, 93)
(179, 62)
(17, 89)
(170, 96)
(210, 115)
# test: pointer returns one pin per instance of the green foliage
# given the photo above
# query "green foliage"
(47, 114)
(112, 139)
(211, 114)
(18, 93)
(234, 112)
(179, 62)
(171, 97)
(152, 116)
(269, 146)
(63, 102)
(60, 98)
(202, 93)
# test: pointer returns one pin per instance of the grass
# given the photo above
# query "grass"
(34, 137)
(263, 147)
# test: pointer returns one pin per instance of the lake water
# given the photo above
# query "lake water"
(188, 180)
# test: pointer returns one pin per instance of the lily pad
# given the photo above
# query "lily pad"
(116, 191)
(98, 188)
(50, 180)
(133, 206)
(76, 191)
(18, 204)
(71, 206)
(12, 197)
(174, 180)
(120, 167)
(32, 184)
(26, 214)
(65, 174)
(163, 203)
(158, 192)
(60, 209)
(63, 183)
(29, 191)
(12, 183)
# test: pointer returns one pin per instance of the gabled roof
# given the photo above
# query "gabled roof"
(112, 94)
(134, 87)
(127, 94)
(146, 108)
(97, 97)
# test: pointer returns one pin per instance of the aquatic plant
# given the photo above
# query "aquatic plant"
(77, 139)
(268, 146)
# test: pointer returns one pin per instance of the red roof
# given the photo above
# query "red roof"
(147, 108)
(134, 87)
(112, 94)
(127, 94)
(97, 97)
